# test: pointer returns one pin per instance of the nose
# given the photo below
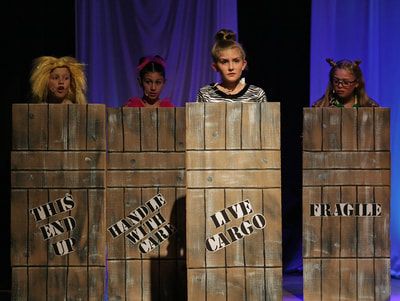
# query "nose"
(153, 86)
(230, 66)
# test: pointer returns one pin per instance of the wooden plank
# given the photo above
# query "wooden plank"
(271, 125)
(382, 129)
(366, 139)
(312, 281)
(330, 275)
(131, 128)
(196, 229)
(349, 129)
(37, 280)
(365, 279)
(169, 286)
(348, 279)
(147, 194)
(96, 227)
(254, 247)
(133, 280)
(148, 125)
(255, 284)
(115, 133)
(216, 284)
(214, 126)
(195, 126)
(215, 201)
(382, 278)
(146, 160)
(233, 178)
(235, 251)
(132, 201)
(251, 126)
(273, 283)
(345, 177)
(165, 178)
(312, 129)
(311, 224)
(180, 132)
(183, 279)
(96, 127)
(19, 227)
(236, 284)
(330, 227)
(37, 246)
(346, 160)
(166, 129)
(58, 127)
(180, 222)
(348, 225)
(57, 160)
(382, 223)
(77, 127)
(77, 283)
(331, 129)
(151, 281)
(234, 130)
(20, 126)
(168, 248)
(19, 289)
(38, 126)
(117, 280)
(115, 211)
(197, 285)
(57, 179)
(365, 224)
(254, 159)
(96, 277)
(272, 208)
(56, 283)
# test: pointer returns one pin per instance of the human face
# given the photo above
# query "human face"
(152, 84)
(344, 83)
(59, 83)
(230, 65)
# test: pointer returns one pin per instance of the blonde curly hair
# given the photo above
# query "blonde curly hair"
(44, 65)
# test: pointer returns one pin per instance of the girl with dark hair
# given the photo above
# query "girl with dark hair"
(151, 70)
(346, 87)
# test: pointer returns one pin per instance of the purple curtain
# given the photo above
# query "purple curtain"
(112, 36)
(368, 30)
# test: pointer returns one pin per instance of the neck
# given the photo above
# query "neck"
(231, 88)
(150, 102)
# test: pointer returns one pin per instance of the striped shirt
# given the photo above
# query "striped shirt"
(249, 93)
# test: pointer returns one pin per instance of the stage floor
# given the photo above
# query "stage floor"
(293, 288)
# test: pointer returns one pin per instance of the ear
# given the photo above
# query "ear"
(214, 67)
(244, 65)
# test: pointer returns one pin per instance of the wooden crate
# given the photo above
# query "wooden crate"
(58, 159)
(233, 161)
(346, 160)
(146, 157)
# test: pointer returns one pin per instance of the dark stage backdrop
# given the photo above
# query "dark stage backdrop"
(368, 30)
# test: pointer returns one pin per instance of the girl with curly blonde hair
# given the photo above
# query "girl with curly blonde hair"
(58, 80)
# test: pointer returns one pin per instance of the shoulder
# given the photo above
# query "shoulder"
(256, 93)
(321, 102)
(206, 93)
(372, 103)
(134, 102)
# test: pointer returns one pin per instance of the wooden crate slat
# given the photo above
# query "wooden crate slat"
(169, 286)
(214, 126)
(20, 127)
(19, 227)
(348, 224)
(365, 279)
(56, 282)
(58, 127)
(162, 178)
(77, 283)
(168, 249)
(147, 194)
(272, 207)
(255, 284)
(251, 126)
(330, 246)
(312, 129)
(365, 225)
(117, 279)
(96, 227)
(197, 285)
(131, 129)
(148, 124)
(312, 280)
(271, 126)
(195, 126)
(115, 211)
(166, 129)
(382, 278)
(96, 277)
(77, 129)
(115, 134)
(132, 200)
(146, 160)
(19, 289)
(366, 138)
(133, 281)
(273, 283)
(233, 179)
(382, 129)
(381, 230)
(180, 130)
(96, 125)
(330, 275)
(236, 283)
(349, 130)
(216, 284)
(254, 159)
(234, 130)
(37, 279)
(57, 160)
(38, 127)
(331, 129)
(311, 224)
(348, 279)
(151, 280)
(180, 222)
